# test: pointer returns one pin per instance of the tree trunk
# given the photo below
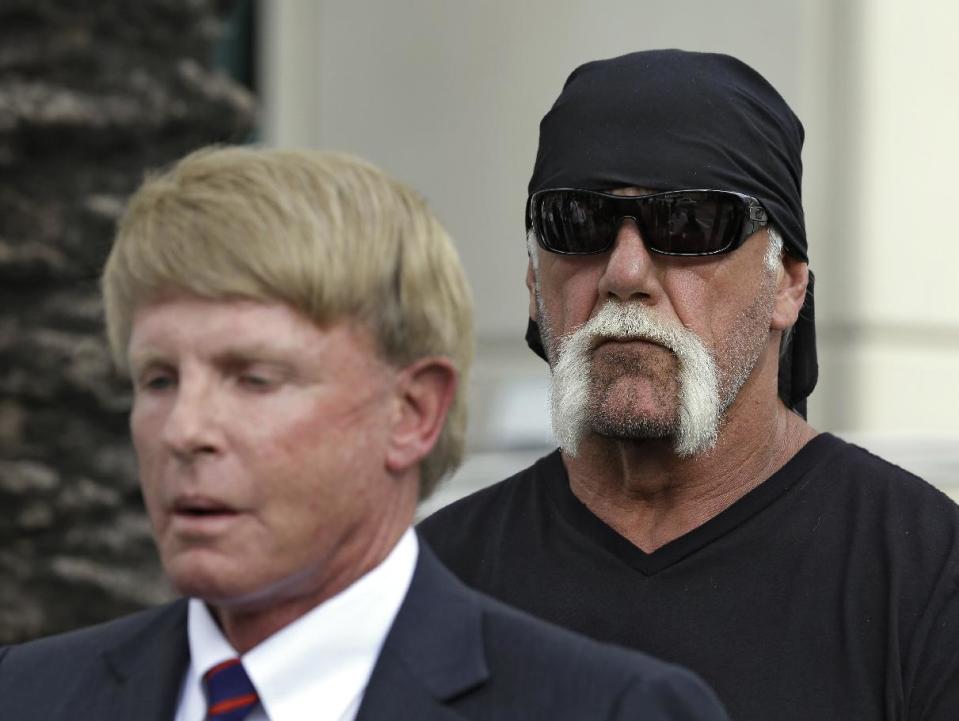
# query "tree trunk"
(92, 95)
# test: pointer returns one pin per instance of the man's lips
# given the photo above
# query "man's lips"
(202, 519)
(197, 506)
(628, 352)
(614, 342)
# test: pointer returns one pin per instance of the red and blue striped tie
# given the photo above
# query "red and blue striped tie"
(230, 695)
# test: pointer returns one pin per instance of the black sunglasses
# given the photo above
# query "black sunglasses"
(678, 222)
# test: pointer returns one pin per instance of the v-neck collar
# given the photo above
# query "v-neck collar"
(555, 480)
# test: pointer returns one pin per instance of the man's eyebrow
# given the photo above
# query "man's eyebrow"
(246, 352)
(235, 355)
(145, 357)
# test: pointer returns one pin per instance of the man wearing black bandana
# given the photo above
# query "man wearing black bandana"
(691, 511)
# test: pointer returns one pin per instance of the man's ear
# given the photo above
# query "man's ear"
(790, 292)
(424, 394)
(531, 287)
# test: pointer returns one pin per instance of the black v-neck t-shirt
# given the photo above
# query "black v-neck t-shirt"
(829, 591)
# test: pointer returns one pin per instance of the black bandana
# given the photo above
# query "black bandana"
(674, 120)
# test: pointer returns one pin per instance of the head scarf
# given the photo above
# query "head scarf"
(674, 120)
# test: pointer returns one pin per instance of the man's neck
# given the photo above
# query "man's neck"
(249, 621)
(651, 496)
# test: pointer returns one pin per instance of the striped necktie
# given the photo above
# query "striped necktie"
(230, 695)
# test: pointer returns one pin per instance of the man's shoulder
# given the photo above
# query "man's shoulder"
(65, 649)
(534, 642)
(83, 673)
(600, 680)
(520, 483)
(910, 527)
(493, 503)
(487, 655)
(865, 473)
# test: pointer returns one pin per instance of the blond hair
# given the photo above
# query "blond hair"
(328, 234)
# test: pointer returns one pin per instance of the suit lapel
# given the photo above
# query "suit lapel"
(398, 694)
(433, 652)
(148, 667)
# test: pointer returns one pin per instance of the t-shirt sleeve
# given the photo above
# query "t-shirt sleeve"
(934, 692)
(674, 696)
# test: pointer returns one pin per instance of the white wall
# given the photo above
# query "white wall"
(906, 319)
(448, 95)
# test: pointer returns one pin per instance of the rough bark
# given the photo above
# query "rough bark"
(92, 95)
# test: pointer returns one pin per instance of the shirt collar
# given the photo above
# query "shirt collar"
(324, 659)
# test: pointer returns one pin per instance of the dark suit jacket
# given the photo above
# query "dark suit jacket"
(452, 654)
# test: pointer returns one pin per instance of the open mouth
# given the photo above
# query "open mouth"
(201, 508)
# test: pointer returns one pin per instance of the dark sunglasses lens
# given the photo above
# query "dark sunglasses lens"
(573, 222)
(690, 223)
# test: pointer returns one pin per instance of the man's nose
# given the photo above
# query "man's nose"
(191, 429)
(630, 272)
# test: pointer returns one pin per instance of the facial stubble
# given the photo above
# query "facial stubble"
(692, 391)
(578, 406)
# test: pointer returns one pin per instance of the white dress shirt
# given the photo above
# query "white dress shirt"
(318, 666)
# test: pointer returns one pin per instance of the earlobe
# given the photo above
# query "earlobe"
(425, 392)
(790, 293)
(531, 287)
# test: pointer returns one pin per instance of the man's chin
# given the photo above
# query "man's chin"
(229, 583)
(627, 416)
(620, 425)
(210, 579)
(634, 401)
(653, 433)
(633, 428)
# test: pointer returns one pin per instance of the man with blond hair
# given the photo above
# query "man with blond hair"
(297, 329)
(691, 512)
